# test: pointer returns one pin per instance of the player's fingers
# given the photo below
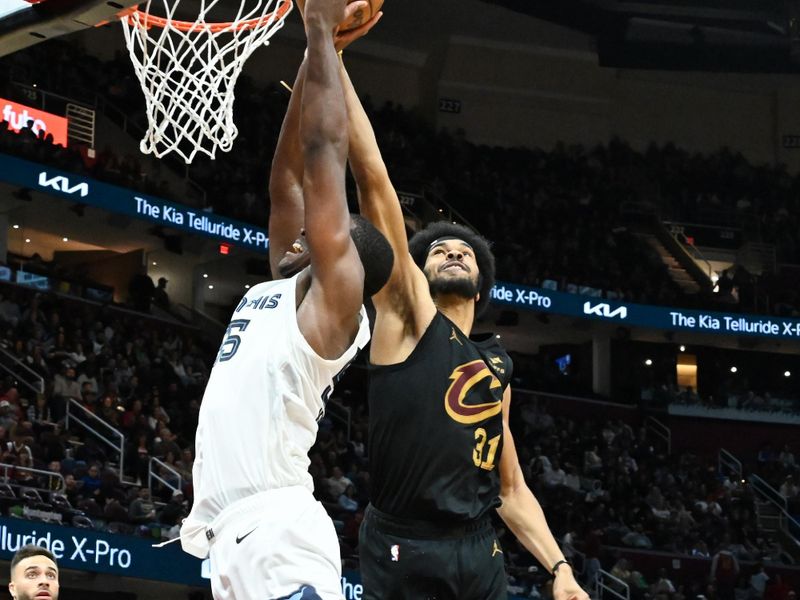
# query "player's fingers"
(366, 27)
(348, 37)
(354, 7)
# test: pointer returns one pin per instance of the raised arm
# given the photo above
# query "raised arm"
(286, 176)
(404, 305)
(286, 180)
(328, 314)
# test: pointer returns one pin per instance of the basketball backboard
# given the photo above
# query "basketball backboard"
(24, 23)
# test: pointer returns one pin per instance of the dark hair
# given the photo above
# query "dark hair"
(420, 242)
(375, 253)
(27, 552)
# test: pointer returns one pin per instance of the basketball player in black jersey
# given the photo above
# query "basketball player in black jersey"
(441, 453)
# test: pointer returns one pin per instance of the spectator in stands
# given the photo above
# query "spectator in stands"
(184, 464)
(357, 447)
(51, 482)
(90, 482)
(573, 479)
(347, 500)
(663, 588)
(141, 458)
(140, 290)
(160, 296)
(77, 356)
(18, 452)
(9, 310)
(337, 483)
(554, 476)
(72, 489)
(8, 418)
(591, 460)
(724, 573)
(89, 398)
(623, 570)
(142, 511)
(66, 384)
(786, 457)
(166, 443)
(758, 582)
(637, 538)
(174, 511)
(789, 488)
(39, 415)
(113, 511)
(87, 379)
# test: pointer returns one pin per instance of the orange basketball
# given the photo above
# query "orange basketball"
(358, 19)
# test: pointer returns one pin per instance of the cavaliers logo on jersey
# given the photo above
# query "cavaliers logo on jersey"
(464, 379)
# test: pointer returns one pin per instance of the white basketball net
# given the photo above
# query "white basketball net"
(188, 76)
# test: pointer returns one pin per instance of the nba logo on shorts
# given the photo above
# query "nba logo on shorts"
(395, 550)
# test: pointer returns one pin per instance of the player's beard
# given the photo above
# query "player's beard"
(463, 287)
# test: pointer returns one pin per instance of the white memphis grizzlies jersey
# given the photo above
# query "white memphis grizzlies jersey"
(260, 409)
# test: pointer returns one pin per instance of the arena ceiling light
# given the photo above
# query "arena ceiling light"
(787, 373)
(683, 348)
(648, 362)
(15, 226)
(734, 369)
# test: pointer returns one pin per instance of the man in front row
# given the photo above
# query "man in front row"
(286, 345)
(442, 456)
(34, 574)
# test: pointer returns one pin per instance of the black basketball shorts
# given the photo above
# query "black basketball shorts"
(404, 560)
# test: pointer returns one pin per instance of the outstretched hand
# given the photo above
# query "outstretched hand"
(343, 39)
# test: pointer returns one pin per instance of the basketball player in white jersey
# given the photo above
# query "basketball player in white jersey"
(288, 341)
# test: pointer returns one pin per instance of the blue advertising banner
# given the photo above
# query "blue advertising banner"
(78, 188)
(641, 315)
(177, 216)
(128, 556)
(100, 552)
(353, 590)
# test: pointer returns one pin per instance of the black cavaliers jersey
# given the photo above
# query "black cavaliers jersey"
(436, 427)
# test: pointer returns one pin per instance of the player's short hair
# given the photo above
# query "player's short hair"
(27, 552)
(419, 247)
(375, 253)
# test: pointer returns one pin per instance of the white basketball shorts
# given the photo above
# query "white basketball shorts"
(274, 545)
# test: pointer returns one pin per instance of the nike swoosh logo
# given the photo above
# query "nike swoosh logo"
(240, 539)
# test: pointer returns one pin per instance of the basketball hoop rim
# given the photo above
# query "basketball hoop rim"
(146, 21)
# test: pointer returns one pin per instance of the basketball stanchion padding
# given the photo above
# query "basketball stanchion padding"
(188, 70)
